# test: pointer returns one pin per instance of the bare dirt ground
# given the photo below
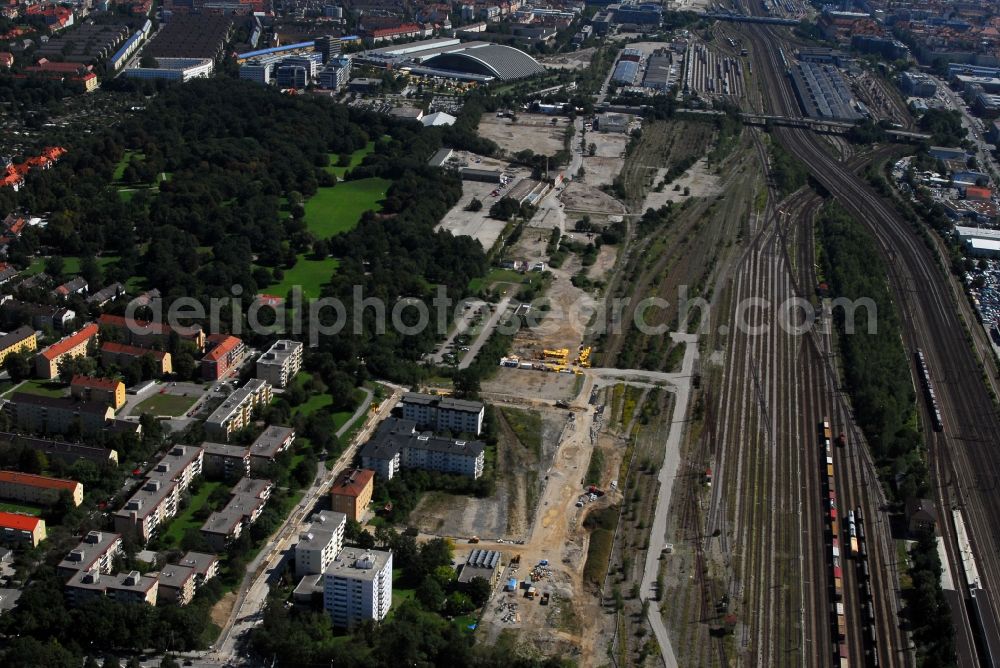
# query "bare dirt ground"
(606, 258)
(533, 132)
(582, 198)
(222, 609)
(576, 60)
(516, 383)
(700, 181)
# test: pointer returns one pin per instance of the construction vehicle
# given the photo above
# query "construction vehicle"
(558, 354)
(545, 598)
(474, 540)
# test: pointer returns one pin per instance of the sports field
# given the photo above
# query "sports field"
(338, 209)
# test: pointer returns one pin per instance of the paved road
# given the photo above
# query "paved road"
(671, 460)
(357, 413)
(256, 585)
(487, 329)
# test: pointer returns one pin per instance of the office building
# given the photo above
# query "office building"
(444, 413)
(224, 526)
(358, 587)
(17, 530)
(917, 84)
(106, 391)
(397, 445)
(74, 345)
(236, 411)
(21, 340)
(156, 501)
(297, 71)
(38, 489)
(328, 47)
(256, 71)
(351, 492)
(174, 69)
(320, 543)
(280, 363)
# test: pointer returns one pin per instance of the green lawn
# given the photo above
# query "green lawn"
(476, 285)
(71, 264)
(123, 163)
(399, 594)
(356, 159)
(338, 209)
(43, 388)
(310, 275)
(166, 404)
(20, 508)
(185, 519)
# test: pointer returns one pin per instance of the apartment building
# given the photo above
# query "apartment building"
(236, 411)
(249, 498)
(121, 355)
(146, 333)
(205, 566)
(108, 391)
(132, 587)
(225, 353)
(280, 363)
(444, 413)
(226, 461)
(21, 339)
(21, 530)
(34, 413)
(351, 492)
(320, 543)
(274, 440)
(96, 552)
(66, 452)
(358, 586)
(74, 345)
(39, 316)
(397, 444)
(157, 499)
(176, 583)
(37, 489)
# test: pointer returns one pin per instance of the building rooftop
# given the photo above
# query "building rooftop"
(175, 575)
(18, 335)
(358, 564)
(225, 450)
(63, 403)
(18, 521)
(225, 345)
(95, 382)
(249, 495)
(121, 348)
(201, 562)
(351, 482)
(444, 403)
(91, 547)
(68, 343)
(272, 441)
(33, 480)
(395, 434)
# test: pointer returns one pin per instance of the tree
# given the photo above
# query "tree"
(17, 366)
(54, 265)
(458, 603)
(430, 594)
(168, 662)
(474, 205)
(111, 662)
(467, 384)
(479, 591)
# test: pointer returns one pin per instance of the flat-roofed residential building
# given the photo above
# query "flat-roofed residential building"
(280, 363)
(74, 345)
(157, 499)
(274, 440)
(351, 492)
(20, 340)
(36, 414)
(66, 452)
(397, 444)
(110, 391)
(131, 587)
(96, 551)
(121, 355)
(226, 461)
(176, 583)
(236, 410)
(206, 566)
(38, 489)
(225, 353)
(444, 413)
(249, 498)
(358, 586)
(320, 543)
(17, 530)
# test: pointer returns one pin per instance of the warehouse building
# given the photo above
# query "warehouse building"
(174, 69)
(450, 58)
(823, 93)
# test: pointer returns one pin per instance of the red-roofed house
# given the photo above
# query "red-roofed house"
(224, 354)
(18, 529)
(978, 193)
(37, 489)
(351, 492)
(6, 58)
(146, 332)
(74, 345)
(110, 391)
(122, 355)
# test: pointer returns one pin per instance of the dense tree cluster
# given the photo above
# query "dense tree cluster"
(944, 125)
(789, 174)
(927, 609)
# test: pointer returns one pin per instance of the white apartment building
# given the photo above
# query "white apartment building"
(358, 586)
(320, 543)
(444, 413)
(280, 363)
(235, 412)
